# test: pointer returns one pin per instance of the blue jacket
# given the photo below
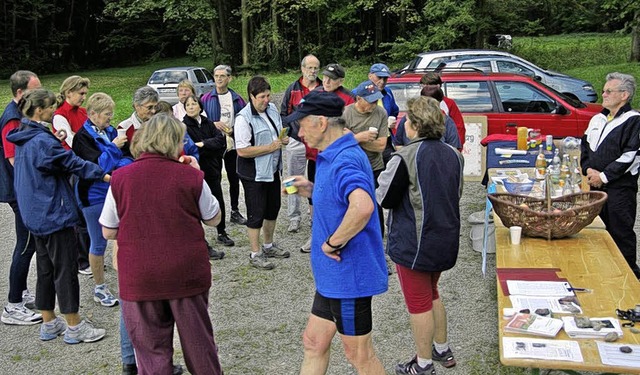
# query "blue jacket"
(7, 194)
(342, 168)
(42, 168)
(90, 146)
(211, 104)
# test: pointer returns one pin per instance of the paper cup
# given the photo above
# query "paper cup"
(122, 132)
(373, 129)
(288, 185)
(391, 121)
(516, 233)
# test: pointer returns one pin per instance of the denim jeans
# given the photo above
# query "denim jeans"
(91, 216)
(126, 347)
(22, 254)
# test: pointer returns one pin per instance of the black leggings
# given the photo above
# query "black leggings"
(230, 161)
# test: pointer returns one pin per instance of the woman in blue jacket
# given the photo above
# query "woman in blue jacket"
(98, 142)
(422, 185)
(49, 210)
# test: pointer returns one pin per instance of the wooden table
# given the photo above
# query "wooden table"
(589, 259)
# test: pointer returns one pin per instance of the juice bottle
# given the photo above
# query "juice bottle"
(541, 165)
(523, 133)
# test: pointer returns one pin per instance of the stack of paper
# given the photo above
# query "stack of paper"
(610, 354)
(611, 325)
(532, 324)
(552, 350)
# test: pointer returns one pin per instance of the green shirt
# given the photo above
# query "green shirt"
(359, 122)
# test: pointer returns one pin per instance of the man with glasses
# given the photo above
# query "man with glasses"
(295, 151)
(144, 104)
(221, 105)
(609, 159)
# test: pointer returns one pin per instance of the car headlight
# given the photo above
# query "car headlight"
(588, 88)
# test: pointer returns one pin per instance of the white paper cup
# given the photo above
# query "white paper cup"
(516, 233)
(373, 129)
(391, 121)
(122, 132)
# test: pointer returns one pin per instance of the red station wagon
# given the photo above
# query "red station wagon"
(508, 100)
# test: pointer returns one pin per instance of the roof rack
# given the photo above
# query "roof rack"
(441, 68)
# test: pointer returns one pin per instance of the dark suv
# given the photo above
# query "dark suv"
(508, 101)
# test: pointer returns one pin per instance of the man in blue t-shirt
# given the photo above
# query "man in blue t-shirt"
(347, 256)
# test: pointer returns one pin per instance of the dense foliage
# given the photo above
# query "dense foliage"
(55, 35)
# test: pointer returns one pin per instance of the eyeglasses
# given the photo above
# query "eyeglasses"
(221, 76)
(150, 107)
(609, 91)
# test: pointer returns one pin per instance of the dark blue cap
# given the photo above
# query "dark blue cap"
(368, 91)
(319, 103)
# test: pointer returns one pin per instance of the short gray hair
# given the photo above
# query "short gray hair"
(20, 80)
(627, 83)
(145, 94)
(226, 68)
(303, 62)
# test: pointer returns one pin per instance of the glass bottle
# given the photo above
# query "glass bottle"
(565, 170)
(541, 165)
(576, 175)
(554, 168)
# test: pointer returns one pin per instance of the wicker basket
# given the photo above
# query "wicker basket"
(568, 214)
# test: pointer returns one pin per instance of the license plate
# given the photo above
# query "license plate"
(166, 91)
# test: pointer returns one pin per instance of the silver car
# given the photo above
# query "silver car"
(165, 81)
(500, 61)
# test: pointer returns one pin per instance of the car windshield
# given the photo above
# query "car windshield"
(571, 100)
(167, 76)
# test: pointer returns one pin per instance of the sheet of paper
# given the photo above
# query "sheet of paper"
(553, 350)
(540, 288)
(610, 354)
(558, 305)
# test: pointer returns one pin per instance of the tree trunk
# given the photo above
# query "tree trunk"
(378, 32)
(222, 18)
(635, 37)
(245, 32)
(299, 36)
(214, 40)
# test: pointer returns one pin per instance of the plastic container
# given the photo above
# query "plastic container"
(476, 234)
(521, 188)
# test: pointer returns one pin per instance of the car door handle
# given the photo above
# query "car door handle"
(511, 124)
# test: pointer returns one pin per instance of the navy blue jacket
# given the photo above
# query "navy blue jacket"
(7, 194)
(211, 104)
(422, 186)
(42, 168)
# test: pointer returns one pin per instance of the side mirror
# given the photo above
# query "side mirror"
(561, 110)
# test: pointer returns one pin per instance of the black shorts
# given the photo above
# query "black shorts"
(352, 316)
(262, 200)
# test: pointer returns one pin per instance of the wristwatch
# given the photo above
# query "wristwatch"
(334, 247)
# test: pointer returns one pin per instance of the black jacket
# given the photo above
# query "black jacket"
(215, 144)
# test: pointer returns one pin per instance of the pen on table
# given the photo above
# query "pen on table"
(571, 289)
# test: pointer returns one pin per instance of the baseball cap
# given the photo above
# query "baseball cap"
(368, 91)
(319, 103)
(333, 71)
(380, 70)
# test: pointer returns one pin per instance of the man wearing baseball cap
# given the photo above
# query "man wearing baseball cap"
(347, 256)
(379, 74)
(368, 122)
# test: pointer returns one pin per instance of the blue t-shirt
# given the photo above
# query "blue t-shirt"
(342, 168)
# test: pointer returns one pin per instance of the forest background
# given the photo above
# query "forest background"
(54, 36)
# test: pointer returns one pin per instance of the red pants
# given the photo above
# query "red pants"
(150, 327)
(420, 289)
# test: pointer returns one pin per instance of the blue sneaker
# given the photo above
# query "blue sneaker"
(83, 332)
(53, 329)
(103, 295)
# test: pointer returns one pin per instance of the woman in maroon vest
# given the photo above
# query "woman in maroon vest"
(163, 270)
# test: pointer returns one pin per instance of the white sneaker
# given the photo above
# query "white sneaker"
(104, 296)
(20, 315)
(306, 248)
(83, 332)
(85, 271)
(28, 299)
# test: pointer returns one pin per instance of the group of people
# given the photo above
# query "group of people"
(65, 168)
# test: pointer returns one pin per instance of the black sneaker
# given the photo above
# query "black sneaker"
(446, 358)
(133, 370)
(412, 367)
(215, 255)
(225, 240)
(236, 217)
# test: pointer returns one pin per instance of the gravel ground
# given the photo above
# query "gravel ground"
(259, 316)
